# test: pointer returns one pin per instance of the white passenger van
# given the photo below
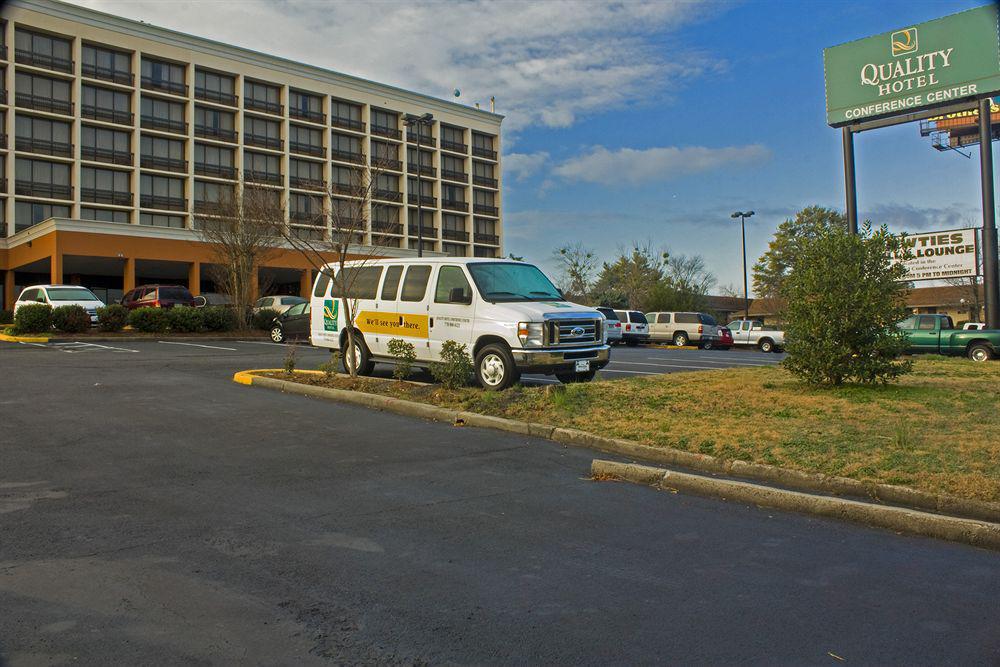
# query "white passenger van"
(509, 315)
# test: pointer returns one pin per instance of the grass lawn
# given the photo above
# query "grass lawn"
(938, 430)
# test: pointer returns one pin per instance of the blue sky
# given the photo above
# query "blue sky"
(627, 121)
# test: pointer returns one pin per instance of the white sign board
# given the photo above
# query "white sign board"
(940, 255)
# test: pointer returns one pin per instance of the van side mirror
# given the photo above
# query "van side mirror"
(458, 295)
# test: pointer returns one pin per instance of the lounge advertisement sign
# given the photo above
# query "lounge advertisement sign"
(914, 67)
(941, 255)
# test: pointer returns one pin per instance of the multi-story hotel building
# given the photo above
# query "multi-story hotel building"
(116, 134)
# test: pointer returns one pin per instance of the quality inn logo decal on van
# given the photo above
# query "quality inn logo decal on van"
(331, 308)
(904, 41)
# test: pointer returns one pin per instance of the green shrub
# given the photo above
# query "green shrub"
(455, 368)
(332, 367)
(262, 318)
(149, 320)
(112, 318)
(405, 354)
(218, 318)
(70, 319)
(184, 319)
(33, 318)
(6, 316)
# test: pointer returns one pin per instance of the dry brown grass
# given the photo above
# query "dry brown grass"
(937, 430)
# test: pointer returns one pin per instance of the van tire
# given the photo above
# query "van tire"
(766, 345)
(569, 378)
(980, 352)
(495, 367)
(680, 339)
(365, 363)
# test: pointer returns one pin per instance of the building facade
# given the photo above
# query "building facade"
(120, 136)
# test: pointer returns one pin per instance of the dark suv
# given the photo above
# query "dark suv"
(158, 296)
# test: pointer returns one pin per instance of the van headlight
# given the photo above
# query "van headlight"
(530, 334)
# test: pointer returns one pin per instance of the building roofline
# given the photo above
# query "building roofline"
(168, 36)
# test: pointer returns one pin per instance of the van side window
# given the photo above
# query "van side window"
(361, 282)
(322, 283)
(390, 286)
(415, 283)
(451, 278)
(663, 318)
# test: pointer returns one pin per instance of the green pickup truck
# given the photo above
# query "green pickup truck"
(936, 334)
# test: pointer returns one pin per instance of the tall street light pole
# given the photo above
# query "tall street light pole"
(743, 215)
(413, 121)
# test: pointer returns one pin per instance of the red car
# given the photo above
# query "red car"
(158, 296)
(725, 339)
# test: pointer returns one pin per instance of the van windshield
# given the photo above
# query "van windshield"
(503, 281)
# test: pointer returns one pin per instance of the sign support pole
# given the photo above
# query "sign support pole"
(849, 181)
(989, 236)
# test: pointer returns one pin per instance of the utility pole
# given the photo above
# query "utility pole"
(989, 235)
(743, 226)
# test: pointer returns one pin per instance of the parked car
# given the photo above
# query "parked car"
(683, 328)
(612, 326)
(158, 296)
(61, 295)
(725, 339)
(293, 324)
(206, 299)
(935, 334)
(279, 303)
(635, 325)
(508, 314)
(754, 333)
(973, 326)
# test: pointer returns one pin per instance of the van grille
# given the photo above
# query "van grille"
(574, 332)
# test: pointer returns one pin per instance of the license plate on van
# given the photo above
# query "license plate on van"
(583, 365)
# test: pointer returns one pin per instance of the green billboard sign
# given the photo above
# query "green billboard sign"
(913, 68)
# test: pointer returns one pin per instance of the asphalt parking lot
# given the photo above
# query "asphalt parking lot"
(151, 510)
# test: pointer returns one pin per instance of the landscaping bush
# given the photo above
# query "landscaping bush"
(262, 318)
(184, 319)
(70, 319)
(112, 318)
(6, 316)
(405, 354)
(218, 318)
(455, 368)
(33, 318)
(149, 320)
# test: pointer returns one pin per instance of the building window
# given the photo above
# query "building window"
(428, 218)
(453, 196)
(162, 192)
(103, 63)
(346, 147)
(162, 153)
(28, 213)
(214, 161)
(453, 168)
(483, 173)
(306, 174)
(347, 115)
(262, 132)
(454, 249)
(423, 131)
(385, 123)
(160, 114)
(113, 106)
(42, 93)
(482, 145)
(214, 124)
(262, 167)
(214, 87)
(308, 140)
(427, 245)
(105, 186)
(41, 135)
(105, 145)
(385, 156)
(420, 160)
(426, 191)
(305, 209)
(453, 227)
(39, 178)
(208, 195)
(485, 202)
(32, 48)
(385, 219)
(162, 75)
(103, 214)
(347, 180)
(161, 220)
(480, 251)
(305, 106)
(262, 97)
(453, 139)
(486, 231)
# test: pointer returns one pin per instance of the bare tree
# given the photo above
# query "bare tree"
(243, 228)
(345, 241)
(730, 290)
(970, 293)
(577, 266)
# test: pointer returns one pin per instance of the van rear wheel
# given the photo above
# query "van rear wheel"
(495, 368)
(362, 357)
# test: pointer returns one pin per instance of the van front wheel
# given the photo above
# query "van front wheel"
(495, 368)
(362, 357)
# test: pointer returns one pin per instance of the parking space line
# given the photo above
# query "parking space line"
(210, 347)
(260, 342)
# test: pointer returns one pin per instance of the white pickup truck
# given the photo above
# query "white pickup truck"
(754, 333)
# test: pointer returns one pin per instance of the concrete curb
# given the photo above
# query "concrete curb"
(7, 338)
(913, 522)
(760, 472)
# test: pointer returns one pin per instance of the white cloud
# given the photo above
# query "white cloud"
(520, 166)
(637, 166)
(546, 62)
